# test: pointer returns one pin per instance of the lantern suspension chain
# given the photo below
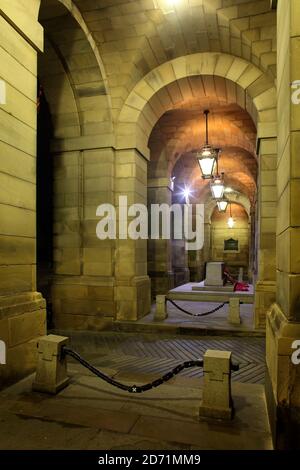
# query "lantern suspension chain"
(206, 112)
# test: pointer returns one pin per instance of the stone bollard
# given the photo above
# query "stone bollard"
(51, 373)
(216, 399)
(161, 308)
(234, 316)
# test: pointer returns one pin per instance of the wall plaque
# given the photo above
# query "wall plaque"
(231, 245)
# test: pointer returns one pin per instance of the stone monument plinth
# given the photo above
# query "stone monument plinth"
(214, 274)
(215, 279)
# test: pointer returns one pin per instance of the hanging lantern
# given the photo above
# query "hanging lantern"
(230, 221)
(217, 186)
(222, 205)
(207, 157)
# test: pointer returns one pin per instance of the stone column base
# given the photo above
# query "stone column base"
(133, 298)
(196, 274)
(282, 380)
(83, 302)
(22, 323)
(265, 296)
(161, 282)
(181, 276)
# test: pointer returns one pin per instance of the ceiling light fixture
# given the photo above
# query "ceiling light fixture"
(217, 185)
(222, 205)
(207, 157)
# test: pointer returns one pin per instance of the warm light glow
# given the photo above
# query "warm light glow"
(217, 188)
(230, 222)
(222, 205)
(229, 190)
(172, 182)
(167, 6)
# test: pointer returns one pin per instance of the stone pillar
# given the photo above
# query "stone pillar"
(22, 309)
(252, 227)
(195, 261)
(83, 284)
(132, 284)
(180, 262)
(234, 315)
(180, 256)
(161, 308)
(283, 320)
(160, 251)
(267, 203)
(206, 250)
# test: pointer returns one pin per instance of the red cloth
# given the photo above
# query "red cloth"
(238, 286)
(241, 287)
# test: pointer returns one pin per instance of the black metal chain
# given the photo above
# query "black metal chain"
(133, 388)
(196, 314)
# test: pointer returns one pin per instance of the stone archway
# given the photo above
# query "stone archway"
(75, 85)
(145, 105)
(139, 117)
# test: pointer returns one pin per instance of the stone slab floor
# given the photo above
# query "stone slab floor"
(90, 414)
(152, 354)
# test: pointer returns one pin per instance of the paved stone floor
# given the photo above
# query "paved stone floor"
(157, 354)
(90, 414)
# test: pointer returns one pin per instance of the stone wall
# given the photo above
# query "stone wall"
(221, 232)
(266, 230)
(22, 310)
(83, 286)
(283, 377)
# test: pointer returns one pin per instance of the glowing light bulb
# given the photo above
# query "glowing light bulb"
(230, 222)
(186, 193)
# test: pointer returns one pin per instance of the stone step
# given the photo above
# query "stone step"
(201, 330)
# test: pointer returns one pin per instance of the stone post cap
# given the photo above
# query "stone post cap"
(51, 345)
(217, 362)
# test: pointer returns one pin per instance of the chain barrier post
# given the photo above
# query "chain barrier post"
(216, 398)
(161, 308)
(234, 316)
(51, 373)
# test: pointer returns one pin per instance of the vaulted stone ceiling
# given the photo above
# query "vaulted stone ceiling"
(180, 133)
(109, 46)
(130, 38)
(134, 37)
(70, 72)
